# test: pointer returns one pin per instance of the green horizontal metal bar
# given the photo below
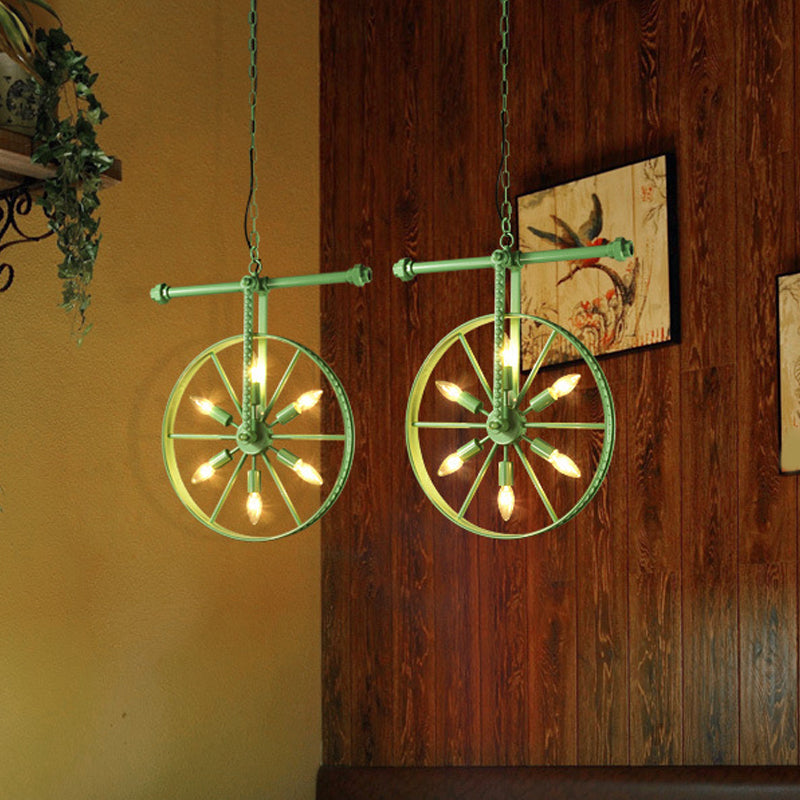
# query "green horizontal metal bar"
(620, 250)
(206, 437)
(359, 275)
(310, 437)
(576, 426)
(452, 425)
(537, 484)
(164, 293)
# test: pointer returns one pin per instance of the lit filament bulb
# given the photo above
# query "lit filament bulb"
(206, 470)
(457, 395)
(258, 371)
(307, 472)
(456, 460)
(203, 405)
(449, 390)
(564, 464)
(210, 410)
(254, 504)
(203, 473)
(509, 353)
(303, 403)
(254, 507)
(564, 385)
(307, 400)
(451, 464)
(505, 502)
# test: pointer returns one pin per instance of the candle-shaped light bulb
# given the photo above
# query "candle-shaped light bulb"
(564, 385)
(203, 473)
(258, 371)
(505, 502)
(307, 400)
(451, 464)
(307, 472)
(509, 353)
(254, 507)
(203, 405)
(449, 390)
(564, 464)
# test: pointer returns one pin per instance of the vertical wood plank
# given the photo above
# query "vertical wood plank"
(371, 590)
(767, 507)
(410, 27)
(768, 656)
(654, 512)
(706, 173)
(504, 722)
(457, 80)
(710, 646)
(545, 99)
(336, 541)
(604, 81)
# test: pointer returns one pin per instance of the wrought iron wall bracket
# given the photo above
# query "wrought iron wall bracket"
(16, 202)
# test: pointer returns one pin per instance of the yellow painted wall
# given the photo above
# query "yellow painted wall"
(141, 655)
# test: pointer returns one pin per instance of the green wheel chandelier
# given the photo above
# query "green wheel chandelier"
(238, 460)
(507, 421)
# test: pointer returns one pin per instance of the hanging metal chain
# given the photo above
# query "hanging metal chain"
(504, 209)
(251, 210)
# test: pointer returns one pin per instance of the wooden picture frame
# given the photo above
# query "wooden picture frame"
(788, 317)
(610, 306)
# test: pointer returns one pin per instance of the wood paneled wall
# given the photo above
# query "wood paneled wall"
(661, 626)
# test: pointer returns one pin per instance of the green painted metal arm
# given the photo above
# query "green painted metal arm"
(359, 275)
(620, 249)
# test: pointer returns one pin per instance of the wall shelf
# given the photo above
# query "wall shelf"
(19, 180)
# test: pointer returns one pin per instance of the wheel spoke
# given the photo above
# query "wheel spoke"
(475, 365)
(228, 486)
(537, 484)
(310, 437)
(537, 366)
(282, 383)
(477, 482)
(206, 437)
(573, 426)
(282, 489)
(450, 425)
(226, 383)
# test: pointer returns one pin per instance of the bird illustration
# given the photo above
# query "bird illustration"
(601, 319)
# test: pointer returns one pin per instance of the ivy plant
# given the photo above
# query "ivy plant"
(66, 139)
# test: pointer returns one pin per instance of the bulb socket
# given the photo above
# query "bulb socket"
(287, 414)
(542, 448)
(220, 459)
(253, 481)
(469, 449)
(287, 457)
(505, 473)
(470, 402)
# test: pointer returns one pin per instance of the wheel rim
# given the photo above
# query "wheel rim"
(335, 446)
(414, 424)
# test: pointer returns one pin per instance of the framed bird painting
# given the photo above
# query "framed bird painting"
(610, 306)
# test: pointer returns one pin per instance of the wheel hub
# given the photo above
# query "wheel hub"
(259, 442)
(505, 431)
